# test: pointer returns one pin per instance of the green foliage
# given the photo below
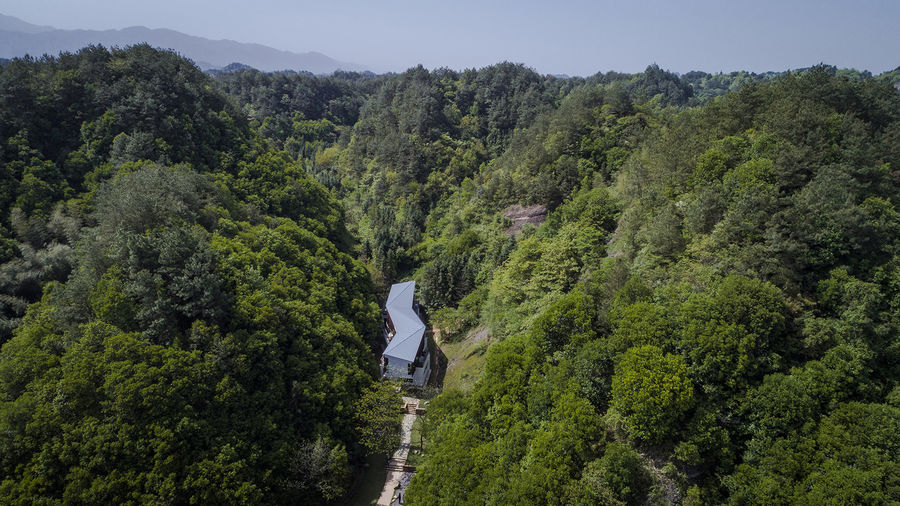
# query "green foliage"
(547, 265)
(236, 377)
(298, 98)
(655, 82)
(641, 323)
(73, 107)
(652, 391)
(43, 253)
(751, 299)
(593, 371)
(447, 279)
(73, 121)
(783, 403)
(706, 442)
(454, 322)
(277, 186)
(715, 281)
(850, 458)
(622, 472)
(148, 196)
(200, 338)
(420, 135)
(377, 416)
(735, 336)
(569, 320)
(521, 465)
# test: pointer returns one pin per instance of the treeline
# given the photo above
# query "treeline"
(709, 312)
(183, 320)
(419, 136)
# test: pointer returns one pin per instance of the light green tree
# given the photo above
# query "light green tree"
(652, 391)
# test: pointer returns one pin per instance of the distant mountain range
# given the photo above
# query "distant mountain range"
(18, 38)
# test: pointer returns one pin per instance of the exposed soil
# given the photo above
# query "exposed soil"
(478, 334)
(519, 215)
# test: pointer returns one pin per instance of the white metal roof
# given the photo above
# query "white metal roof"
(408, 328)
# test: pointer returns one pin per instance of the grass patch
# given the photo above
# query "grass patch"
(465, 360)
(416, 444)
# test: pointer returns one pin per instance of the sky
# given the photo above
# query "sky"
(573, 37)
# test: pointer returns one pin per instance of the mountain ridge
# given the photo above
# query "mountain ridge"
(18, 38)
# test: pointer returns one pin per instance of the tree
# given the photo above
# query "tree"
(622, 471)
(652, 391)
(849, 459)
(322, 464)
(568, 320)
(593, 370)
(378, 415)
(735, 336)
(639, 324)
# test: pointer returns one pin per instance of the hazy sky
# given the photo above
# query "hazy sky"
(570, 37)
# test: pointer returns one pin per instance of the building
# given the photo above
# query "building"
(406, 356)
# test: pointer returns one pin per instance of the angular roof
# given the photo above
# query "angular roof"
(408, 328)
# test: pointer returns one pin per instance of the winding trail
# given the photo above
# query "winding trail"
(396, 477)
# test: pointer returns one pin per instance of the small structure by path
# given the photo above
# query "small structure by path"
(396, 475)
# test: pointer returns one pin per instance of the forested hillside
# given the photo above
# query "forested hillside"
(704, 309)
(708, 313)
(183, 319)
(712, 320)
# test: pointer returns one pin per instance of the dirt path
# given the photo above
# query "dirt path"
(396, 476)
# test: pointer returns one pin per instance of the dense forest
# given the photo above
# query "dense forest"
(184, 320)
(705, 311)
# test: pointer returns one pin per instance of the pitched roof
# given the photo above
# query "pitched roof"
(408, 328)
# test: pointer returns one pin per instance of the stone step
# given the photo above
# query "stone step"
(396, 465)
